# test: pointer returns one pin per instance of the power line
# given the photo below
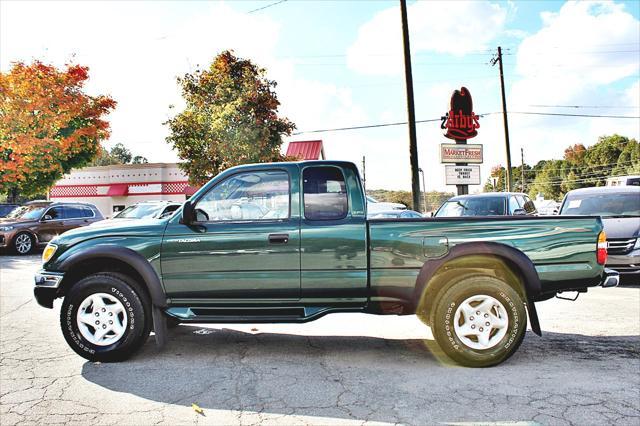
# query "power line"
(267, 6)
(604, 167)
(582, 106)
(571, 115)
(401, 123)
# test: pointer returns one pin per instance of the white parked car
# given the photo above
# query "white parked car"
(375, 206)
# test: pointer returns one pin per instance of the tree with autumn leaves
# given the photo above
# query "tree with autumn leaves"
(230, 118)
(48, 125)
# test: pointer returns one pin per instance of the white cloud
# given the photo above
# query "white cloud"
(454, 27)
(579, 57)
(137, 60)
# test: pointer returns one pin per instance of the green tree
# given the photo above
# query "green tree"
(230, 118)
(121, 154)
(549, 179)
(629, 160)
(118, 154)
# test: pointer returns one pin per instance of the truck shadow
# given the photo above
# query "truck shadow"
(341, 377)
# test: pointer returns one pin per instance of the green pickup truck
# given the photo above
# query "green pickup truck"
(291, 242)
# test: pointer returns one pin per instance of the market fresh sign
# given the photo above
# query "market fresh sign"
(460, 153)
(462, 175)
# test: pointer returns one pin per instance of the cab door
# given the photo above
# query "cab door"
(245, 244)
(333, 237)
(51, 224)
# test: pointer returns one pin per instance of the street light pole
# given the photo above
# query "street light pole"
(413, 146)
(424, 190)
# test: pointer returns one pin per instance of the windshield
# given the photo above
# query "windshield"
(139, 211)
(26, 212)
(606, 204)
(481, 206)
(384, 215)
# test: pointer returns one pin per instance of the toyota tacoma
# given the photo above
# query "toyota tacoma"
(291, 242)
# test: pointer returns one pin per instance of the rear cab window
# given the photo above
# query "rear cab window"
(324, 193)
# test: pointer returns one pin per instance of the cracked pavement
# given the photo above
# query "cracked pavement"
(341, 369)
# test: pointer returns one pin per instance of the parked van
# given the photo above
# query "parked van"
(631, 180)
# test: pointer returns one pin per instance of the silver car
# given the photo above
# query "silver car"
(619, 208)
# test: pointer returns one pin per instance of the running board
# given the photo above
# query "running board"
(251, 314)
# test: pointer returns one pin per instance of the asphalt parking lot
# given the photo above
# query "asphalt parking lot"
(341, 369)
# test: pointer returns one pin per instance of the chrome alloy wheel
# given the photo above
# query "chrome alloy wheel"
(481, 322)
(102, 319)
(23, 243)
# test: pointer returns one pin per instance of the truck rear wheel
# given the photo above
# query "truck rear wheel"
(105, 317)
(479, 321)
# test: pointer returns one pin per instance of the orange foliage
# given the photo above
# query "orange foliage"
(47, 124)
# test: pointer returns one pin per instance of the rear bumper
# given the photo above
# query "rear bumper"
(610, 278)
(46, 287)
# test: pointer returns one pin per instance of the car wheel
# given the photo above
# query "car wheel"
(23, 243)
(105, 317)
(479, 321)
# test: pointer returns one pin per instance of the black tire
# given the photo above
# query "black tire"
(448, 302)
(133, 299)
(23, 243)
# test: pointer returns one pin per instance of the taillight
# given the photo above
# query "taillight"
(601, 252)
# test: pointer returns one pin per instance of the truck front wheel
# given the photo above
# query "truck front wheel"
(105, 317)
(479, 321)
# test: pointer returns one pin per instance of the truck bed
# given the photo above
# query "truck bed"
(561, 248)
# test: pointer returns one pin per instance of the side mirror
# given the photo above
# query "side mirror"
(188, 214)
(47, 217)
(430, 214)
(519, 212)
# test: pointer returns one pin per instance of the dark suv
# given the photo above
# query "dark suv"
(488, 204)
(38, 222)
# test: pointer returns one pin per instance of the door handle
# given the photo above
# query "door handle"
(278, 238)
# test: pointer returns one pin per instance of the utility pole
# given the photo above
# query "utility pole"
(498, 59)
(413, 145)
(522, 166)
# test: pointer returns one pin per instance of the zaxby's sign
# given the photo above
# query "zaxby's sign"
(460, 122)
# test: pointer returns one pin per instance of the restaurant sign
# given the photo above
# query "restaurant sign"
(462, 175)
(461, 123)
(460, 153)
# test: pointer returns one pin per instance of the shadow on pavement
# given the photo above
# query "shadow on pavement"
(334, 376)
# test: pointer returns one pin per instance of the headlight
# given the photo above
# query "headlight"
(637, 246)
(48, 252)
(6, 228)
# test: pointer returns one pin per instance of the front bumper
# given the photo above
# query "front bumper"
(610, 278)
(46, 287)
(625, 264)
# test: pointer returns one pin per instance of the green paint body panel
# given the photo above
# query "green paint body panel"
(338, 265)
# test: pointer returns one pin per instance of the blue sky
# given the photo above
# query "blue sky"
(338, 64)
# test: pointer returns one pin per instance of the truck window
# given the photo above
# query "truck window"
(258, 195)
(325, 194)
(514, 204)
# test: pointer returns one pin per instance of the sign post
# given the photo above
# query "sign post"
(461, 124)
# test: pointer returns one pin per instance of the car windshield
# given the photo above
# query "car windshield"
(384, 215)
(603, 204)
(139, 211)
(480, 206)
(26, 212)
